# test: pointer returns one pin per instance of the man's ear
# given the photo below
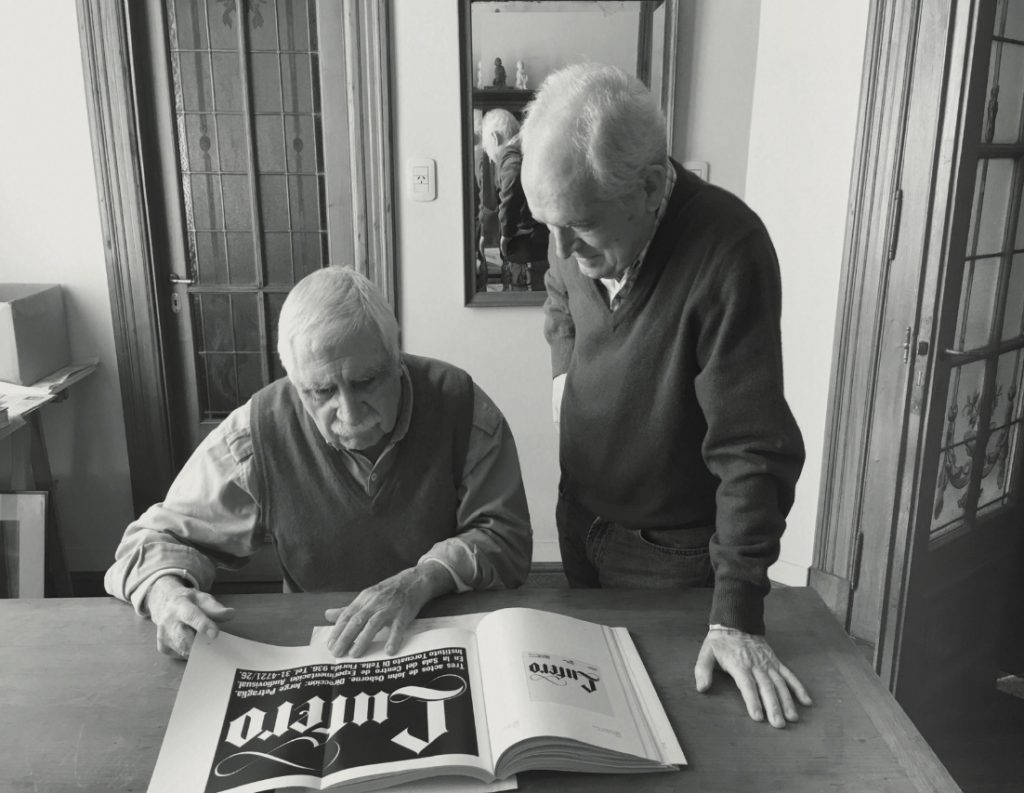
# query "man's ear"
(654, 186)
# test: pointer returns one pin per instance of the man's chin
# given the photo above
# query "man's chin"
(595, 268)
(357, 441)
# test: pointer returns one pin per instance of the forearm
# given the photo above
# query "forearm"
(559, 328)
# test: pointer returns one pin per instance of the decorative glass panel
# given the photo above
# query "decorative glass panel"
(991, 203)
(1007, 407)
(277, 252)
(237, 256)
(212, 261)
(262, 27)
(962, 404)
(977, 302)
(951, 489)
(1005, 93)
(1013, 319)
(231, 134)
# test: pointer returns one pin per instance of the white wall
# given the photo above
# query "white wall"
(50, 233)
(809, 64)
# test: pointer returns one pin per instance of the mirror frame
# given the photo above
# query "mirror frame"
(500, 98)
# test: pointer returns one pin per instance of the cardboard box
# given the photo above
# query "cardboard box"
(33, 332)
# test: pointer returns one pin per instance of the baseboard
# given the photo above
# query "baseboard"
(788, 573)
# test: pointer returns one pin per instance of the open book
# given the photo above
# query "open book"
(480, 696)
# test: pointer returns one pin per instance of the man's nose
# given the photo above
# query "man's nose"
(565, 240)
(346, 405)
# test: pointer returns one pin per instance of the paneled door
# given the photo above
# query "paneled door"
(256, 177)
(958, 527)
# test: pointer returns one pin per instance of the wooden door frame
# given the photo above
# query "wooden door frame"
(136, 296)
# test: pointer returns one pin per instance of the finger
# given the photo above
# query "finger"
(796, 685)
(195, 618)
(748, 690)
(368, 633)
(175, 639)
(397, 634)
(704, 670)
(345, 631)
(213, 608)
(785, 698)
(769, 698)
(342, 619)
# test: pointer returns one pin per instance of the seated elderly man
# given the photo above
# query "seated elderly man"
(367, 469)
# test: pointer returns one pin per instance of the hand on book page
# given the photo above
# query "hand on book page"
(389, 605)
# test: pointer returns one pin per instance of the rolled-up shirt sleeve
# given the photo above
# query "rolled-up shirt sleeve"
(209, 518)
(494, 541)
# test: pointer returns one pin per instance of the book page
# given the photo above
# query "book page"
(550, 675)
(251, 716)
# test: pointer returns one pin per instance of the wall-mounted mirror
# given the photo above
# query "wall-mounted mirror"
(507, 49)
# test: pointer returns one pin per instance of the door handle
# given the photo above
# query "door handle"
(176, 279)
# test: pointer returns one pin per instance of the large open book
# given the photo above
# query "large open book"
(480, 696)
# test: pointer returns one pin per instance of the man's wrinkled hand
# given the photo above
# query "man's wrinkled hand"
(180, 612)
(766, 684)
(392, 605)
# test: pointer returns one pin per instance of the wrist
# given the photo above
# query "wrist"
(432, 579)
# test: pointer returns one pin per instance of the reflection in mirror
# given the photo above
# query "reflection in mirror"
(508, 48)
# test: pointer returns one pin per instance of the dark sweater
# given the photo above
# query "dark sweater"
(527, 239)
(328, 533)
(673, 413)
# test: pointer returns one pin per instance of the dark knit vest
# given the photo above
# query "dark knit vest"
(328, 533)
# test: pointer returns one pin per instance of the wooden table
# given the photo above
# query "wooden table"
(85, 697)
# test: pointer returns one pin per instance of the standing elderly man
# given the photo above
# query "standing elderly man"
(367, 469)
(679, 454)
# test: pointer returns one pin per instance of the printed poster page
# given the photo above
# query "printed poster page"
(551, 675)
(251, 716)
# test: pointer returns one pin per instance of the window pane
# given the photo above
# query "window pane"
(221, 383)
(301, 144)
(309, 253)
(227, 81)
(977, 302)
(277, 252)
(296, 83)
(196, 85)
(269, 144)
(237, 206)
(231, 134)
(274, 203)
(951, 489)
(206, 208)
(222, 16)
(250, 375)
(201, 144)
(962, 403)
(991, 203)
(266, 83)
(214, 320)
(305, 200)
(1007, 407)
(1013, 320)
(1014, 25)
(211, 266)
(262, 26)
(241, 260)
(189, 18)
(293, 23)
(246, 320)
(1005, 93)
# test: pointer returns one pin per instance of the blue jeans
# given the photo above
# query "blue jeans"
(600, 553)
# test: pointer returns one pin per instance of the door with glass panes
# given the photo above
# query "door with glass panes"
(256, 181)
(959, 521)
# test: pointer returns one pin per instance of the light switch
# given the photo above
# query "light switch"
(422, 173)
(697, 167)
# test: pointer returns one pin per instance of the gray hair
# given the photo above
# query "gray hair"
(611, 119)
(501, 121)
(332, 304)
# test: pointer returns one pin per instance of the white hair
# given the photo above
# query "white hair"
(332, 304)
(501, 121)
(610, 118)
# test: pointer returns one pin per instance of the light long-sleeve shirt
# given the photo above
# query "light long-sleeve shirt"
(211, 516)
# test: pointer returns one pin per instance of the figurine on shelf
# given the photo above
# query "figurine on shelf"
(479, 74)
(521, 78)
(499, 74)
